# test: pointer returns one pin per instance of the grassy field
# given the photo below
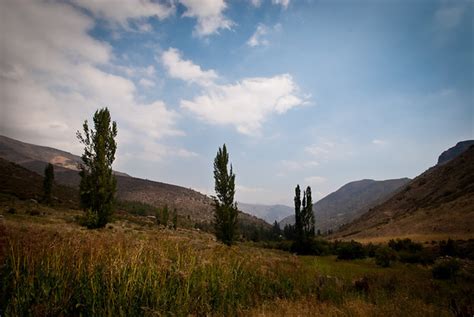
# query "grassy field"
(54, 267)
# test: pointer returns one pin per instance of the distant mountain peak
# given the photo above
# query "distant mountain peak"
(454, 151)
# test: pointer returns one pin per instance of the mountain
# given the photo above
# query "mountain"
(15, 180)
(439, 201)
(35, 157)
(270, 213)
(189, 203)
(350, 201)
(454, 152)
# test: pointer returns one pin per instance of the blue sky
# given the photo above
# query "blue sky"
(313, 93)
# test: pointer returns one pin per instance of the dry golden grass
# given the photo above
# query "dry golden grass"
(55, 267)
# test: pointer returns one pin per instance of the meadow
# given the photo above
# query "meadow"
(54, 267)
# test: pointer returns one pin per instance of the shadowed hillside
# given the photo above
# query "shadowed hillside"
(350, 201)
(439, 201)
(22, 183)
(189, 203)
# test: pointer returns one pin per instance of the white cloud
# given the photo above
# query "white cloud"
(315, 180)
(379, 142)
(47, 94)
(147, 83)
(185, 69)
(256, 3)
(317, 150)
(449, 17)
(257, 37)
(289, 165)
(247, 103)
(120, 12)
(283, 3)
(209, 15)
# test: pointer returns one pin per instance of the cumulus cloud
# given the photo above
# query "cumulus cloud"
(283, 3)
(121, 12)
(209, 15)
(52, 78)
(186, 70)
(256, 3)
(247, 103)
(257, 37)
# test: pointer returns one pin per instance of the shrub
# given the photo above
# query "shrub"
(11, 210)
(350, 250)
(424, 256)
(445, 268)
(448, 248)
(384, 256)
(405, 245)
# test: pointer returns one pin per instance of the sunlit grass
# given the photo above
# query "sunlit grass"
(55, 267)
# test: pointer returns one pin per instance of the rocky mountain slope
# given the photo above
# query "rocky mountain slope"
(350, 201)
(189, 203)
(454, 151)
(439, 201)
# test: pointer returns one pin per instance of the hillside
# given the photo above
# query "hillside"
(350, 201)
(454, 151)
(189, 203)
(22, 183)
(439, 201)
(34, 157)
(270, 213)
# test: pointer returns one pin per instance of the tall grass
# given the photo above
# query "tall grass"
(100, 273)
(62, 270)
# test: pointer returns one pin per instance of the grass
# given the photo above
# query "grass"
(53, 267)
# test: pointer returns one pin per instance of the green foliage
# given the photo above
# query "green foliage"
(135, 208)
(225, 214)
(304, 221)
(98, 184)
(385, 256)
(350, 250)
(445, 268)
(175, 219)
(405, 245)
(48, 183)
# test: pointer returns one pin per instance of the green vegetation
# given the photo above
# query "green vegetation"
(59, 268)
(48, 183)
(98, 184)
(226, 212)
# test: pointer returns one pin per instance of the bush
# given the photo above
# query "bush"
(405, 245)
(445, 268)
(11, 210)
(424, 256)
(384, 256)
(448, 248)
(350, 250)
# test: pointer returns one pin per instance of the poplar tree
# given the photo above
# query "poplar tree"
(98, 184)
(48, 183)
(225, 209)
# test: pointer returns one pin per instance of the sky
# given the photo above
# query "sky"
(316, 93)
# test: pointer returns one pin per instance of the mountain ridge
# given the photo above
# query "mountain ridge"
(350, 201)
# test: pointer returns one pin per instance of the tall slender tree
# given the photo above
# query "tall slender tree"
(225, 209)
(48, 183)
(98, 184)
(304, 220)
(308, 222)
(298, 213)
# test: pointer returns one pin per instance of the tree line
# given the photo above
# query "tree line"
(98, 187)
